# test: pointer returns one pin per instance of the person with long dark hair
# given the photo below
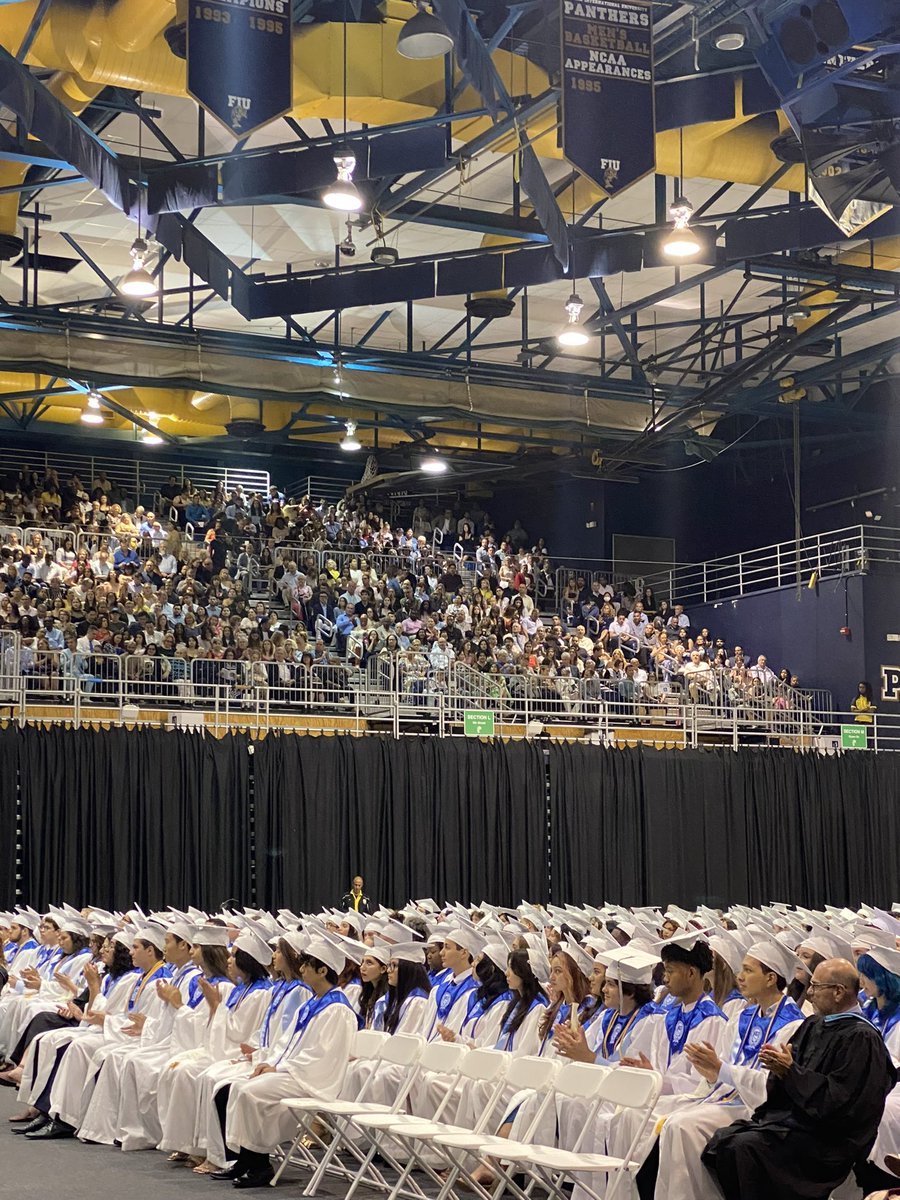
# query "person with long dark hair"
(373, 972)
(65, 983)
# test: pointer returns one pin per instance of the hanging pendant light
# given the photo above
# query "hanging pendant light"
(424, 36)
(350, 441)
(138, 282)
(574, 333)
(681, 242)
(343, 194)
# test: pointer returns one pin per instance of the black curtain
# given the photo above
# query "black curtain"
(115, 816)
(448, 818)
(10, 739)
(642, 826)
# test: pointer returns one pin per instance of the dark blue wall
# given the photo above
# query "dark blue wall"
(881, 594)
(803, 635)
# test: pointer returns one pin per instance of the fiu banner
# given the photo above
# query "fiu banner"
(608, 123)
(239, 64)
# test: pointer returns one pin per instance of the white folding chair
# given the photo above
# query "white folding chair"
(438, 1058)
(402, 1050)
(625, 1088)
(367, 1044)
(479, 1066)
(530, 1074)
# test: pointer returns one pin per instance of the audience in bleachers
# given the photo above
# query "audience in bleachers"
(261, 592)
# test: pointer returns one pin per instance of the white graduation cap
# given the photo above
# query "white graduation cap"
(775, 957)
(581, 958)
(435, 937)
(288, 918)
(601, 940)
(413, 952)
(297, 940)
(210, 935)
(324, 950)
(254, 940)
(393, 931)
(867, 936)
(124, 937)
(467, 937)
(381, 952)
(76, 924)
(27, 917)
(498, 953)
(353, 918)
(539, 962)
(353, 950)
(686, 940)
(884, 920)
(427, 905)
(183, 929)
(887, 958)
(634, 967)
(196, 914)
(730, 950)
(153, 933)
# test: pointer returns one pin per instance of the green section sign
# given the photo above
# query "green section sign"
(480, 724)
(854, 737)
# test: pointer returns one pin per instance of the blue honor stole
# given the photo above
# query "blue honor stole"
(239, 994)
(446, 996)
(756, 1029)
(872, 1013)
(616, 1026)
(312, 1009)
(679, 1023)
(477, 1009)
(507, 1037)
(160, 971)
(280, 992)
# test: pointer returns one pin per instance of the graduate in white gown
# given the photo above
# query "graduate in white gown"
(286, 998)
(311, 1064)
(20, 946)
(106, 994)
(73, 1086)
(130, 1078)
(733, 1081)
(33, 972)
(67, 979)
(231, 1024)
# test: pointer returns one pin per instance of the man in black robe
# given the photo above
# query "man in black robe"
(825, 1096)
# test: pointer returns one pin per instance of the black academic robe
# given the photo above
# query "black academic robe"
(815, 1123)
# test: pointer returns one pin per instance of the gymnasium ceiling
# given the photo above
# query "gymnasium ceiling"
(786, 312)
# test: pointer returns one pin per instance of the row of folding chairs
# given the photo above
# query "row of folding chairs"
(359, 1139)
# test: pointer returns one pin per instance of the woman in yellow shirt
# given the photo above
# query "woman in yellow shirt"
(862, 705)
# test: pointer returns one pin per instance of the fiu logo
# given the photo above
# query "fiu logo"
(239, 111)
(890, 684)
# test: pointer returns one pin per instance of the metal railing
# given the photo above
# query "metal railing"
(408, 691)
(138, 478)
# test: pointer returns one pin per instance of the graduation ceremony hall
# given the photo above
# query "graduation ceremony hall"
(450, 599)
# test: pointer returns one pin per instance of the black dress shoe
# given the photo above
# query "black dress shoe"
(230, 1173)
(53, 1129)
(254, 1179)
(34, 1125)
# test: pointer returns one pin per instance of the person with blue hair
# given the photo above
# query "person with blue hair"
(879, 970)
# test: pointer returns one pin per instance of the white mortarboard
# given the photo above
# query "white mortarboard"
(183, 929)
(353, 950)
(124, 937)
(102, 916)
(325, 951)
(373, 925)
(393, 931)
(539, 963)
(435, 937)
(253, 940)
(633, 966)
(297, 940)
(466, 936)
(686, 940)
(381, 952)
(210, 935)
(775, 957)
(354, 919)
(867, 936)
(27, 917)
(427, 905)
(498, 953)
(78, 925)
(413, 952)
(729, 949)
(196, 914)
(889, 959)
(581, 958)
(152, 933)
(886, 921)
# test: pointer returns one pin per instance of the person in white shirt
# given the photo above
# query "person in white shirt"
(762, 672)
(442, 654)
(697, 677)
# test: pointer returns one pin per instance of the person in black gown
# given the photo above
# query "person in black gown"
(825, 1096)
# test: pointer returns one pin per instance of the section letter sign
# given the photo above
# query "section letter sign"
(239, 64)
(608, 121)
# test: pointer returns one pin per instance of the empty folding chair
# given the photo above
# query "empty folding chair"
(479, 1065)
(442, 1058)
(622, 1087)
(531, 1076)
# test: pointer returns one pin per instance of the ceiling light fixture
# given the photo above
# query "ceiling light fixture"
(574, 333)
(89, 417)
(681, 242)
(138, 282)
(343, 194)
(350, 441)
(730, 37)
(94, 399)
(424, 36)
(151, 439)
(432, 465)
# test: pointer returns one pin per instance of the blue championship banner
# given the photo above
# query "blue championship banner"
(608, 120)
(239, 60)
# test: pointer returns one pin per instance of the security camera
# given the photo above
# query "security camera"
(348, 246)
